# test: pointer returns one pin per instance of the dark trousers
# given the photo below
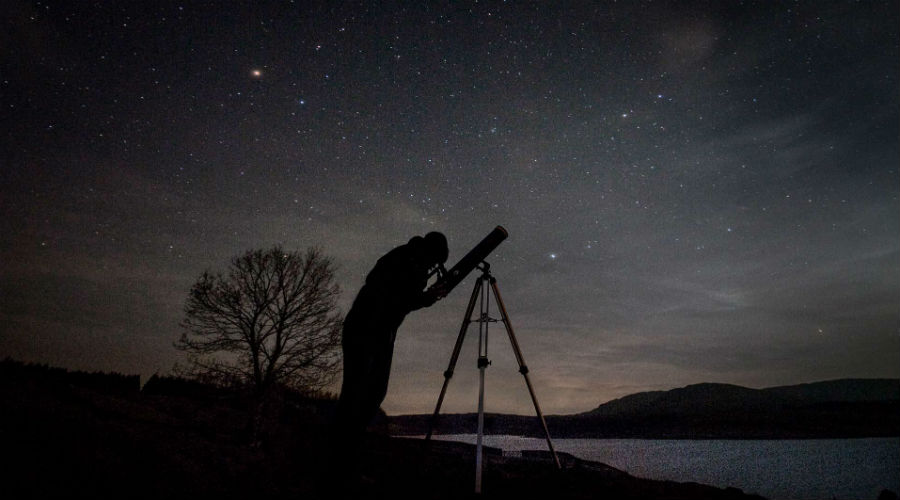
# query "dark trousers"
(367, 369)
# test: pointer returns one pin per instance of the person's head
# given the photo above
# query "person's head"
(436, 247)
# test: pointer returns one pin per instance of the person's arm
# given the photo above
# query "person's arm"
(411, 283)
(422, 299)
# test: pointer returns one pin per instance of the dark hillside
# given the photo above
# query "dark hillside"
(181, 440)
(832, 409)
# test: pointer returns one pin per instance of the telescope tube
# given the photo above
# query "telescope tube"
(470, 261)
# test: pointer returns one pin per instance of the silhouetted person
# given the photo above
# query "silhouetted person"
(393, 288)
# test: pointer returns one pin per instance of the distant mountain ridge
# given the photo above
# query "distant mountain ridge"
(698, 398)
(843, 390)
(828, 409)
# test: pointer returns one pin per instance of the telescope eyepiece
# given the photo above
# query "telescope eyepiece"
(439, 270)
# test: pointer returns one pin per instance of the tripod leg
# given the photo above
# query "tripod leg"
(523, 369)
(454, 357)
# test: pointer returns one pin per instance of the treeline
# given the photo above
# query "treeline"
(165, 385)
(169, 385)
(107, 382)
(157, 385)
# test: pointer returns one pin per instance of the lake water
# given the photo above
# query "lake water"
(777, 469)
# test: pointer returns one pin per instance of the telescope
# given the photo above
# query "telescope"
(449, 279)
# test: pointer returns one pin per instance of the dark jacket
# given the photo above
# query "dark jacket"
(393, 288)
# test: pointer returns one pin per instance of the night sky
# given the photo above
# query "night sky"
(695, 192)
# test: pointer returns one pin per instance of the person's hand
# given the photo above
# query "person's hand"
(439, 289)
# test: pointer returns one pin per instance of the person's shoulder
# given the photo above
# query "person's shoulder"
(414, 246)
(401, 253)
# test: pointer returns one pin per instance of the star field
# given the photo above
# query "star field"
(694, 192)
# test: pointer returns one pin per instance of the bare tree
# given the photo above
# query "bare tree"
(271, 320)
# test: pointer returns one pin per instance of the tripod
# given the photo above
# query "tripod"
(484, 320)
